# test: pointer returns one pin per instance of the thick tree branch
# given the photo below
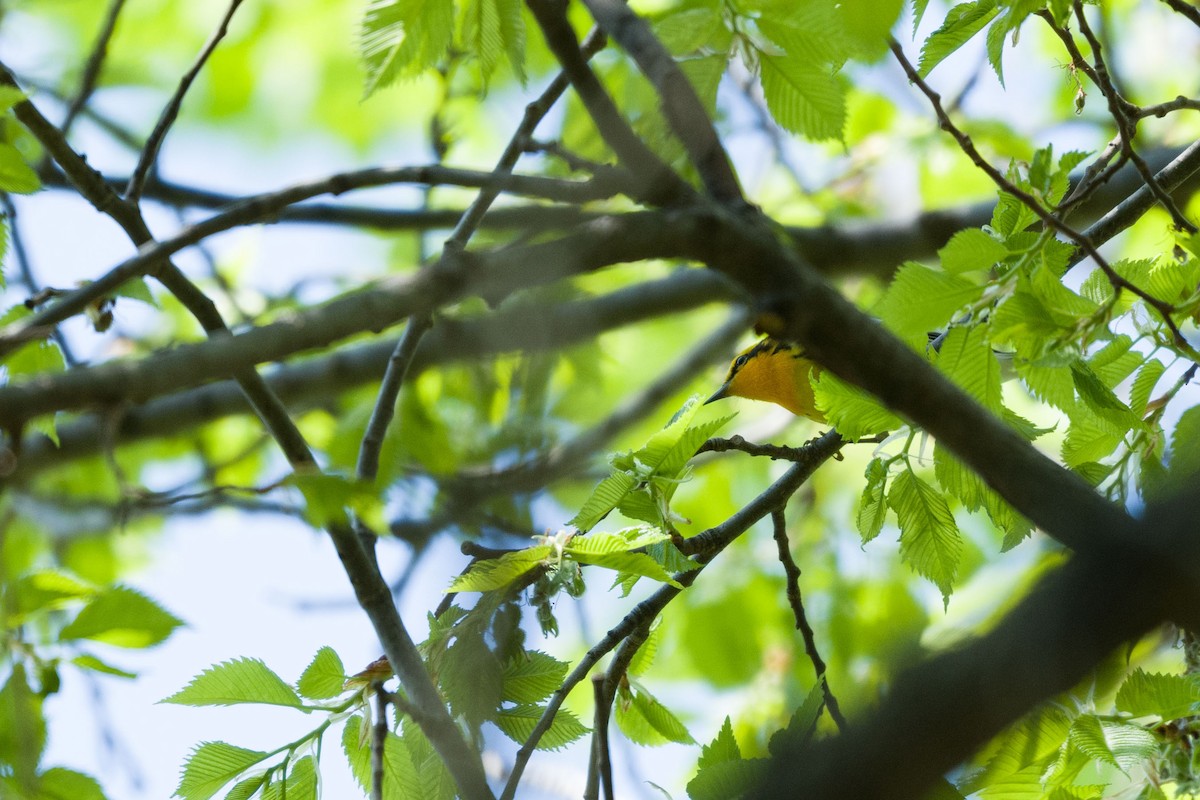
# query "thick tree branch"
(313, 382)
(489, 275)
(959, 699)
(852, 248)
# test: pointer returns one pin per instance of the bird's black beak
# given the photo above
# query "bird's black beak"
(718, 394)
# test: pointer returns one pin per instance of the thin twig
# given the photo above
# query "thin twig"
(137, 181)
(389, 390)
(1124, 114)
(796, 601)
(534, 113)
(1160, 110)
(385, 409)
(771, 451)
(91, 70)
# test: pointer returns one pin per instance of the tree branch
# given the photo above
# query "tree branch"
(91, 70)
(681, 107)
(796, 601)
(959, 699)
(659, 184)
(259, 207)
(315, 381)
(137, 181)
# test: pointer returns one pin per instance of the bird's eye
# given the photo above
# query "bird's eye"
(741, 361)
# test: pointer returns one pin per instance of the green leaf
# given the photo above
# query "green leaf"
(1011, 215)
(136, 289)
(612, 551)
(852, 411)
(123, 617)
(212, 765)
(240, 680)
(721, 771)
(90, 662)
(929, 538)
(247, 787)
(9, 97)
(664, 455)
(921, 299)
(675, 459)
(1049, 383)
(16, 175)
(995, 43)
(721, 749)
(806, 99)
(1168, 697)
(868, 23)
(961, 24)
(22, 726)
(689, 29)
(1143, 386)
(1117, 744)
(481, 33)
(400, 779)
(969, 250)
(324, 677)
(1089, 439)
(401, 38)
(512, 32)
(604, 498)
(646, 721)
(472, 679)
(644, 656)
(810, 32)
(872, 510)
(967, 359)
(59, 783)
(45, 589)
(496, 573)
(801, 725)
(39, 357)
(662, 445)
(300, 784)
(517, 724)
(1185, 444)
(531, 677)
(1099, 398)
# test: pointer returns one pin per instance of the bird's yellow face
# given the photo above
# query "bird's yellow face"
(776, 372)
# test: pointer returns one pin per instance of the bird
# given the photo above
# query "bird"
(777, 372)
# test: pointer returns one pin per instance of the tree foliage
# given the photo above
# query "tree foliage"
(978, 219)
